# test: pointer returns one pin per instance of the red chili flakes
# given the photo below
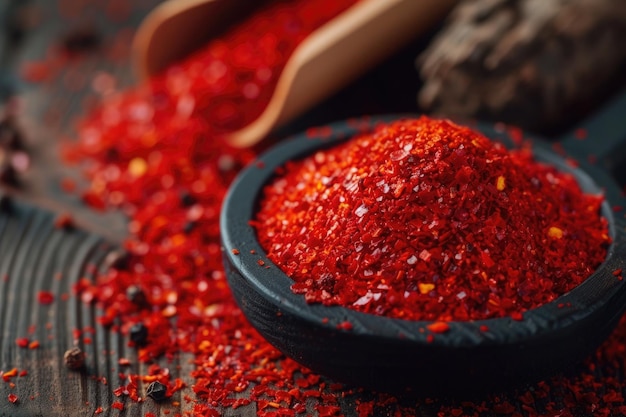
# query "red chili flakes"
(328, 410)
(118, 405)
(504, 408)
(438, 327)
(580, 134)
(555, 233)
(424, 216)
(34, 344)
(572, 162)
(235, 251)
(45, 297)
(6, 376)
(68, 185)
(617, 272)
(558, 148)
(365, 408)
(517, 316)
(98, 410)
(240, 403)
(344, 325)
(22, 342)
(317, 132)
(94, 200)
(13, 398)
(261, 262)
(36, 71)
(516, 134)
(64, 221)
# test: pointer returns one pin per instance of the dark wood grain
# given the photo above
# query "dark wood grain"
(35, 256)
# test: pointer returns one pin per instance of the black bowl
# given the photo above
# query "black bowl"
(392, 354)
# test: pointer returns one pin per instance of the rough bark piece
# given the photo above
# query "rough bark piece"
(534, 63)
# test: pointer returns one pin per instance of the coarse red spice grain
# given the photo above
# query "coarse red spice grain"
(22, 342)
(154, 152)
(12, 373)
(427, 220)
(45, 297)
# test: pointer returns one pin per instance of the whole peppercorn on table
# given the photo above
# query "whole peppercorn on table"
(140, 289)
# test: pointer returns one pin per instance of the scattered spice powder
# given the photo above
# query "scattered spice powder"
(171, 161)
(427, 220)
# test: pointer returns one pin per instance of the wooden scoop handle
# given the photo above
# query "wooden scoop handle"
(328, 59)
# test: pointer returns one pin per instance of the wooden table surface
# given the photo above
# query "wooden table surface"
(35, 255)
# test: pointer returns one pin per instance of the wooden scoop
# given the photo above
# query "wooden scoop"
(328, 59)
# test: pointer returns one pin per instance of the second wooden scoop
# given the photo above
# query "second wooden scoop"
(328, 59)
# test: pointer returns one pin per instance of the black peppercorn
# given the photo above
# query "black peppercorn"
(74, 359)
(189, 226)
(118, 259)
(139, 334)
(187, 199)
(157, 391)
(135, 295)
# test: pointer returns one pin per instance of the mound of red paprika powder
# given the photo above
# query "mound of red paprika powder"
(426, 220)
